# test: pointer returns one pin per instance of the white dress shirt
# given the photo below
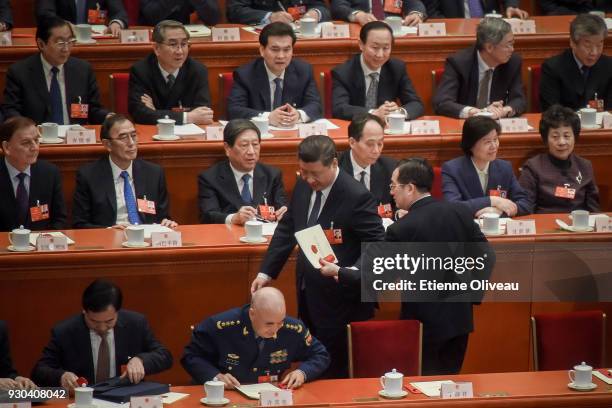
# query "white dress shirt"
(175, 74)
(240, 183)
(357, 169)
(62, 85)
(122, 214)
(482, 68)
(95, 346)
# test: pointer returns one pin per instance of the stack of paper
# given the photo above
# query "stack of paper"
(189, 131)
(198, 30)
(252, 391)
(430, 388)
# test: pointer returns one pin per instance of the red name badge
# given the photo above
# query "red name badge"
(498, 193)
(334, 236)
(267, 212)
(79, 110)
(297, 11)
(565, 192)
(385, 211)
(146, 206)
(263, 379)
(393, 6)
(97, 16)
(597, 104)
(39, 212)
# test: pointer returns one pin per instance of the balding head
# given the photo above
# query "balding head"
(267, 311)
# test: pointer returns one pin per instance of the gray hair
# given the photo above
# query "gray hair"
(491, 30)
(585, 25)
(159, 32)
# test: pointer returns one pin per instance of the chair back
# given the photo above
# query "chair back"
(325, 87)
(534, 73)
(119, 83)
(226, 81)
(132, 8)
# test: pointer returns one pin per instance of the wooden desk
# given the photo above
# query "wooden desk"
(421, 54)
(176, 288)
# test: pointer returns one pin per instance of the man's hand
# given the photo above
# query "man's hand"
(258, 283)
(504, 205)
(281, 16)
(485, 210)
(329, 269)
(385, 109)
(363, 18)
(169, 223)
(312, 13)
(120, 226)
(69, 380)
(516, 12)
(413, 19)
(229, 380)
(202, 115)
(280, 212)
(400, 213)
(8, 384)
(25, 383)
(114, 28)
(244, 214)
(294, 379)
(147, 101)
(497, 109)
(284, 116)
(135, 370)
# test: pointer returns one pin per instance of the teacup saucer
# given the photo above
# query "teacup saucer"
(401, 394)
(135, 245)
(571, 228)
(224, 401)
(246, 240)
(395, 132)
(91, 41)
(166, 138)
(15, 249)
(51, 140)
(267, 136)
(577, 387)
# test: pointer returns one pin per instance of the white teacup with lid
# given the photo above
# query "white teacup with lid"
(20, 238)
(392, 383)
(581, 376)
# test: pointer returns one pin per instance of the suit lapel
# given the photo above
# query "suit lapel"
(473, 81)
(289, 91)
(69, 74)
(358, 80)
(377, 184)
(385, 85)
(226, 178)
(261, 77)
(83, 342)
(178, 89)
(333, 201)
(494, 179)
(301, 201)
(120, 334)
(159, 83)
(39, 82)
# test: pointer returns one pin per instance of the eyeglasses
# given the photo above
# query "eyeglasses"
(65, 44)
(125, 137)
(393, 186)
(175, 45)
(30, 143)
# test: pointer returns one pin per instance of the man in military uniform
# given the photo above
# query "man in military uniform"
(254, 343)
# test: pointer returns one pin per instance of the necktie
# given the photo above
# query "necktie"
(314, 213)
(278, 93)
(81, 6)
(362, 177)
(170, 81)
(372, 93)
(245, 194)
(57, 110)
(475, 7)
(130, 200)
(585, 73)
(103, 367)
(483, 90)
(22, 199)
(378, 10)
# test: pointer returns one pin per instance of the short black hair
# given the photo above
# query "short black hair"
(109, 122)
(159, 31)
(474, 129)
(417, 171)
(317, 148)
(557, 116)
(586, 25)
(235, 127)
(101, 294)
(374, 25)
(13, 125)
(355, 128)
(276, 29)
(46, 24)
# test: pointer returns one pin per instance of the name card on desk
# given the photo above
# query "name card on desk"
(520, 227)
(335, 31)
(522, 26)
(607, 121)
(225, 34)
(214, 133)
(166, 239)
(152, 401)
(6, 39)
(134, 36)
(432, 30)
(81, 136)
(309, 129)
(425, 127)
(603, 224)
(271, 398)
(456, 390)
(514, 125)
(50, 243)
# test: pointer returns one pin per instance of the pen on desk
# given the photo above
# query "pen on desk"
(281, 6)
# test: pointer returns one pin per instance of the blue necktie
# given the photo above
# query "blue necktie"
(475, 7)
(81, 6)
(130, 200)
(278, 93)
(22, 199)
(314, 213)
(57, 110)
(245, 194)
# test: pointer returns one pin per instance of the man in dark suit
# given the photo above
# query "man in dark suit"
(168, 82)
(6, 16)
(236, 190)
(83, 345)
(486, 77)
(365, 11)
(559, 7)
(276, 85)
(270, 11)
(372, 81)
(472, 8)
(333, 199)
(53, 86)
(101, 12)
(364, 161)
(119, 189)
(152, 12)
(582, 73)
(30, 189)
(9, 379)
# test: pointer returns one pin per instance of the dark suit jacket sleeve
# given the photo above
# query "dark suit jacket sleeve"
(314, 357)
(516, 95)
(409, 98)
(48, 370)
(162, 204)
(550, 85)
(208, 11)
(451, 190)
(341, 97)
(6, 364)
(529, 182)
(282, 243)
(279, 195)
(510, 3)
(116, 11)
(141, 113)
(45, 8)
(13, 95)
(201, 354)
(520, 197)
(321, 6)
(341, 9)
(409, 6)
(82, 212)
(242, 12)
(433, 8)
(155, 357)
(58, 206)
(557, 7)
(238, 101)
(591, 199)
(210, 209)
(97, 113)
(6, 15)
(445, 100)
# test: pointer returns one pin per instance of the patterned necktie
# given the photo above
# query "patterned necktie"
(314, 213)
(362, 178)
(57, 110)
(130, 200)
(22, 199)
(81, 10)
(103, 367)
(483, 90)
(372, 94)
(476, 10)
(378, 10)
(245, 194)
(170, 81)
(278, 93)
